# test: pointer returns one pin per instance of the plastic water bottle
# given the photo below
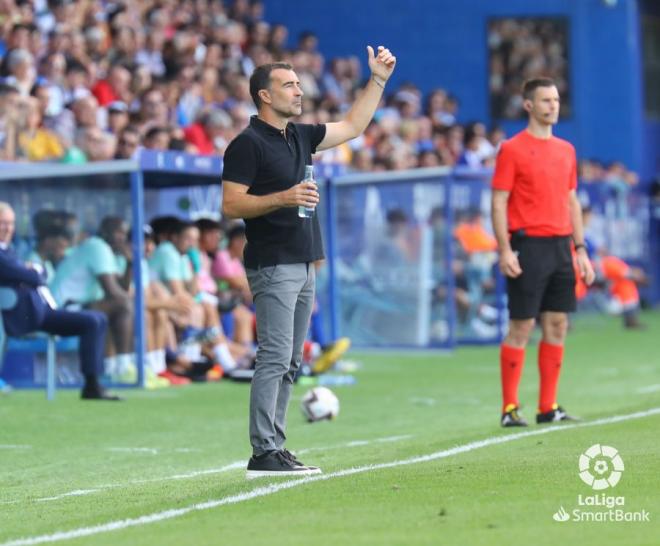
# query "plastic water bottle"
(307, 212)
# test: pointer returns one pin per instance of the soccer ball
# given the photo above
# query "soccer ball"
(318, 404)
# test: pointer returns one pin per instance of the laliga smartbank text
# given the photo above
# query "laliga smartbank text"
(614, 512)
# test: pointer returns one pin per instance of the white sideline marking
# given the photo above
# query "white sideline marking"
(14, 446)
(276, 487)
(196, 473)
(649, 388)
(101, 488)
(151, 450)
(76, 493)
(355, 443)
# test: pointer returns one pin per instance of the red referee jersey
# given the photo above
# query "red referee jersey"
(539, 174)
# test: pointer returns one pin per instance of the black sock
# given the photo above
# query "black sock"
(91, 383)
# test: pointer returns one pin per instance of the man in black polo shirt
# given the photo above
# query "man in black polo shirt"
(263, 167)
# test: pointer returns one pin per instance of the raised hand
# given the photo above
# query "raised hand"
(381, 64)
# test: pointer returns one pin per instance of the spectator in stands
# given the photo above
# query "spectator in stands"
(151, 55)
(153, 109)
(9, 121)
(209, 133)
(485, 150)
(85, 111)
(157, 138)
(116, 87)
(127, 143)
(18, 35)
(89, 278)
(95, 144)
(76, 81)
(192, 60)
(34, 142)
(471, 158)
(22, 73)
(32, 312)
(496, 136)
(117, 117)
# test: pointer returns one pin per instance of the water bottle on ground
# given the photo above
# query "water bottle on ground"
(307, 212)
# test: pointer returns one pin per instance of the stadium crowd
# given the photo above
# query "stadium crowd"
(85, 80)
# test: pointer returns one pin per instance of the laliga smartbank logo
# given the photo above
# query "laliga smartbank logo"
(600, 467)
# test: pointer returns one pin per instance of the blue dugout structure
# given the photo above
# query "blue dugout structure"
(388, 283)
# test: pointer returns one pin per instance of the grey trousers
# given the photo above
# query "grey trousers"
(284, 299)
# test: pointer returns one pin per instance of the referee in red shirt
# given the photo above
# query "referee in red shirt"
(536, 216)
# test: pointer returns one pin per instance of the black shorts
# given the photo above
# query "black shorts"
(547, 282)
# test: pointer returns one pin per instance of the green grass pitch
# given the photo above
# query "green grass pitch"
(139, 472)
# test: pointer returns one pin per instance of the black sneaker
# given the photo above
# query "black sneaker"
(99, 394)
(275, 463)
(512, 417)
(554, 415)
(291, 457)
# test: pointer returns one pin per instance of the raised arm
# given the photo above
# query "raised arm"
(363, 109)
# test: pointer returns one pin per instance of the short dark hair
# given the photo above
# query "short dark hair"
(237, 230)
(396, 216)
(155, 131)
(533, 84)
(207, 224)
(179, 226)
(260, 79)
(54, 232)
(109, 225)
(163, 227)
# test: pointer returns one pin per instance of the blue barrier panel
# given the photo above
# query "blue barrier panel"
(401, 278)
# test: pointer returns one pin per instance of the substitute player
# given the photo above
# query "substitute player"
(536, 213)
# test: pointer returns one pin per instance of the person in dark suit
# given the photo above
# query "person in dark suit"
(32, 312)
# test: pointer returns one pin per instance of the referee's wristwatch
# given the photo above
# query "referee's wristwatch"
(578, 246)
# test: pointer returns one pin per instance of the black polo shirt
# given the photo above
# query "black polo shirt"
(267, 161)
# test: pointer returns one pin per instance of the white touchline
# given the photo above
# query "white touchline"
(355, 443)
(14, 446)
(276, 487)
(150, 450)
(195, 473)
